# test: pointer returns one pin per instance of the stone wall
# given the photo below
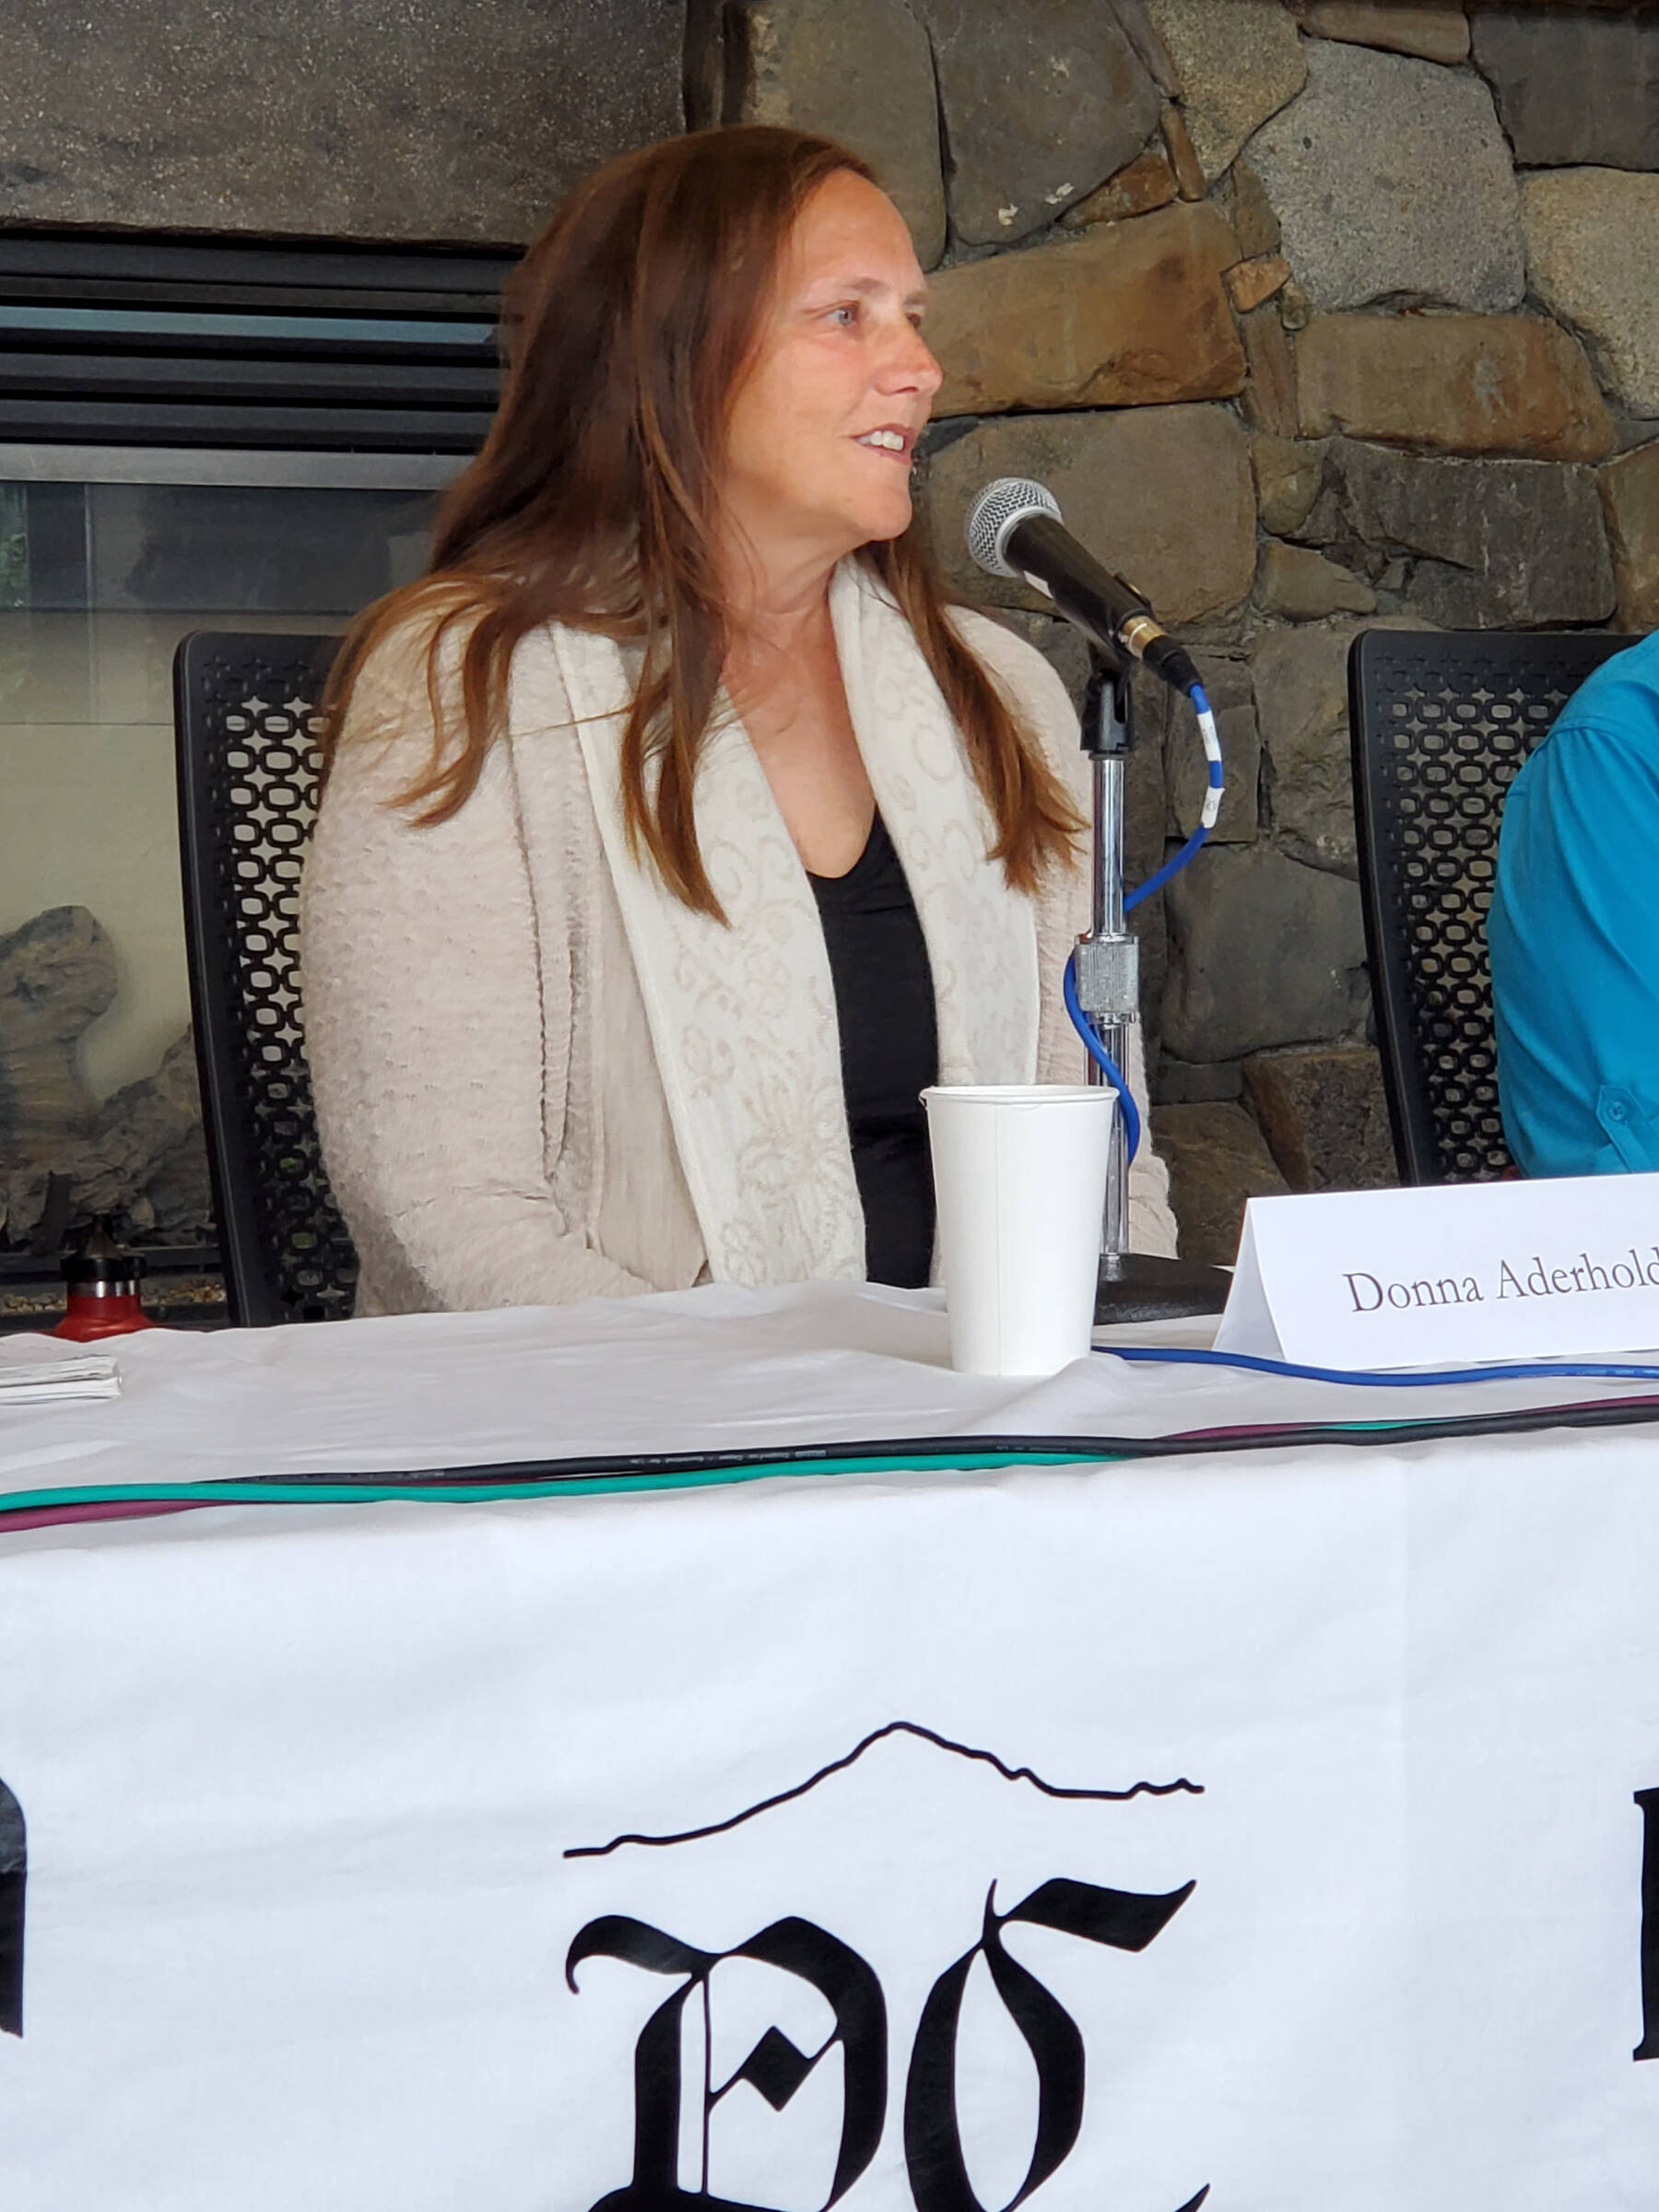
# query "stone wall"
(1314, 313)
(455, 121)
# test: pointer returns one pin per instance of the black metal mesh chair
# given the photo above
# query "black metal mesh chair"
(1440, 723)
(245, 720)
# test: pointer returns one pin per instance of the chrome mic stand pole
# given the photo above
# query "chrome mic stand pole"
(1108, 957)
(1133, 1286)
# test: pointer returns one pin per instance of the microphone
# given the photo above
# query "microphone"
(1014, 529)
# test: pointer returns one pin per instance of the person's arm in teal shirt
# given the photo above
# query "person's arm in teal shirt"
(1574, 936)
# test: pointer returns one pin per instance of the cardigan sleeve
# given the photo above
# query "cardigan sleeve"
(1063, 915)
(424, 1018)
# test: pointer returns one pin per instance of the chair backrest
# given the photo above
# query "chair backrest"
(246, 721)
(1440, 723)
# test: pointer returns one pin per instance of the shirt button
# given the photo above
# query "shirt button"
(1616, 1112)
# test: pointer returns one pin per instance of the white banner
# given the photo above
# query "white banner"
(1094, 1840)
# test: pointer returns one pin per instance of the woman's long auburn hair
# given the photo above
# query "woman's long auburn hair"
(629, 327)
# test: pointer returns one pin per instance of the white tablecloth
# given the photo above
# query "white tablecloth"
(321, 1803)
(699, 1370)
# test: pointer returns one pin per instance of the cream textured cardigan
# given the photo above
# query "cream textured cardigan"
(490, 1093)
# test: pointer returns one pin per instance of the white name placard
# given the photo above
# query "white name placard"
(1449, 1273)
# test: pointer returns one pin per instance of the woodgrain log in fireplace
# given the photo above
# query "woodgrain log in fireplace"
(138, 1155)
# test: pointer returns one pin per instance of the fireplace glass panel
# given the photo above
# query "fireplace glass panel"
(99, 581)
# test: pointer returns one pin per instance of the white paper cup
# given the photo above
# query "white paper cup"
(1019, 1176)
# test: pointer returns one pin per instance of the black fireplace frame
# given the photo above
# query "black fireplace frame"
(123, 340)
(239, 360)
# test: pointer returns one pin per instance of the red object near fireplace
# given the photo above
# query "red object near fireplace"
(94, 1313)
(103, 1289)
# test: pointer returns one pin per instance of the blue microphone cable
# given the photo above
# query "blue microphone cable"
(1103, 1060)
(1214, 789)
(1171, 867)
(1530, 1371)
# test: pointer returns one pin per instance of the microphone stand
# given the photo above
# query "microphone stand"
(1134, 1286)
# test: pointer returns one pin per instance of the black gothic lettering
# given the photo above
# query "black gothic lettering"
(1126, 1919)
(775, 2067)
(1649, 2045)
(13, 1864)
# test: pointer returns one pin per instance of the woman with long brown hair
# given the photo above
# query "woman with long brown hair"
(677, 832)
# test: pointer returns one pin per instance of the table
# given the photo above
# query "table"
(1263, 1821)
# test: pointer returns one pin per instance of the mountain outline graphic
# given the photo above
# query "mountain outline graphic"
(838, 1766)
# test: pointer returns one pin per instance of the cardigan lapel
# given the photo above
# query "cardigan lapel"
(743, 1018)
(982, 936)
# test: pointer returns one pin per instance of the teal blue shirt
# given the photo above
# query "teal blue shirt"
(1574, 932)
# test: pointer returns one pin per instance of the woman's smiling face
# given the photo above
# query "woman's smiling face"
(823, 427)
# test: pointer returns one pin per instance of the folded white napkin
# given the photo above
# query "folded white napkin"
(76, 1376)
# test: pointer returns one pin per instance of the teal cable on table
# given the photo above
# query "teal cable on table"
(590, 1475)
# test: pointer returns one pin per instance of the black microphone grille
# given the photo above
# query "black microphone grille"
(1009, 501)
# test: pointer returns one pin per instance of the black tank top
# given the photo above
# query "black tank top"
(884, 1003)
